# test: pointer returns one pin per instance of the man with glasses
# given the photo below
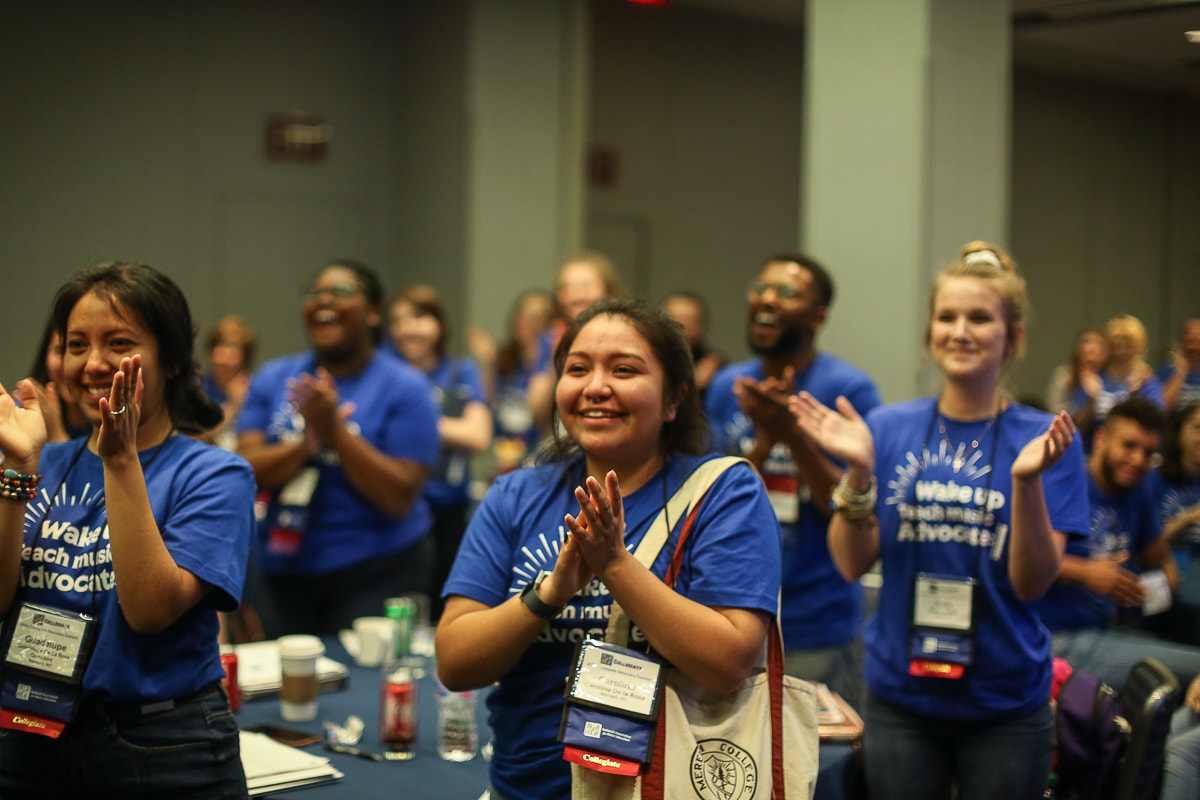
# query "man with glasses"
(747, 406)
(1124, 569)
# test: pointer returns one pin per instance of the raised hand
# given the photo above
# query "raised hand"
(1041, 452)
(316, 399)
(765, 402)
(842, 432)
(121, 411)
(599, 526)
(22, 427)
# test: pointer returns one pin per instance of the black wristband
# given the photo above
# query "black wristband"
(539, 607)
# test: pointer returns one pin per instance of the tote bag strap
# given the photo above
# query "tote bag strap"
(682, 505)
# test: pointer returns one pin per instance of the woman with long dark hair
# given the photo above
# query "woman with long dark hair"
(549, 551)
(118, 548)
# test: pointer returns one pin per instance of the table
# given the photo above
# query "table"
(428, 777)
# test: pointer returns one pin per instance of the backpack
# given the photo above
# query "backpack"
(1090, 738)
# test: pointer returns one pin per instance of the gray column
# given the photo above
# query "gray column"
(906, 152)
(526, 95)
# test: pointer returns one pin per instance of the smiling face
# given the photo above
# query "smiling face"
(338, 316)
(416, 334)
(1123, 453)
(1092, 350)
(610, 396)
(579, 285)
(968, 336)
(784, 309)
(99, 334)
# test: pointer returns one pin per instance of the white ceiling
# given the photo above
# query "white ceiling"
(1122, 41)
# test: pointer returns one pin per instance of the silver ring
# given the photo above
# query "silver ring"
(118, 412)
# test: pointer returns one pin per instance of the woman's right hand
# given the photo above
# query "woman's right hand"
(841, 433)
(22, 427)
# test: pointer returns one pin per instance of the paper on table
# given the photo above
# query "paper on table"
(271, 766)
(837, 720)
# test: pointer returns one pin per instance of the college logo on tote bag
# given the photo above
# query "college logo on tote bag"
(722, 771)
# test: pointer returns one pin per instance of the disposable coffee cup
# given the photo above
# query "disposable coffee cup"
(298, 662)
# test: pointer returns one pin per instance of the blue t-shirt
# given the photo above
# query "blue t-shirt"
(1177, 497)
(202, 498)
(510, 408)
(820, 608)
(1114, 391)
(945, 508)
(394, 411)
(455, 384)
(1128, 521)
(518, 530)
(1189, 390)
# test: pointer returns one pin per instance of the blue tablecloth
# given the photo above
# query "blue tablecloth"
(426, 776)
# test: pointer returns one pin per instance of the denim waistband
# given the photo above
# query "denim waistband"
(98, 706)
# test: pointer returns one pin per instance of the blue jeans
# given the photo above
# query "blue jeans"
(1109, 654)
(912, 756)
(189, 751)
(1181, 773)
(324, 604)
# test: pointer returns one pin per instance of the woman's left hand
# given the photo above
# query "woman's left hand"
(121, 411)
(1042, 452)
(600, 525)
(316, 398)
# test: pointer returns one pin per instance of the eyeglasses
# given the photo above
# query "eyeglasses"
(782, 290)
(342, 291)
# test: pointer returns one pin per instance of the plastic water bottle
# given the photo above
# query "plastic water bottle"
(458, 737)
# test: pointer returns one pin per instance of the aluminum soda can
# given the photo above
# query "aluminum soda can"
(398, 713)
(402, 611)
(229, 662)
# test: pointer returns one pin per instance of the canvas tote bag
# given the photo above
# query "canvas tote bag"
(758, 742)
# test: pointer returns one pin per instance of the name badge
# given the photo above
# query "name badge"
(784, 493)
(46, 654)
(49, 642)
(611, 708)
(942, 630)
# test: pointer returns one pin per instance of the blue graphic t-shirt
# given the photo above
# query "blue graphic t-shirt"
(820, 608)
(945, 508)
(732, 561)
(456, 383)
(1126, 521)
(202, 498)
(1189, 390)
(394, 411)
(1176, 498)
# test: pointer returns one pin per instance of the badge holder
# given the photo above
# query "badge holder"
(292, 511)
(611, 709)
(942, 631)
(46, 653)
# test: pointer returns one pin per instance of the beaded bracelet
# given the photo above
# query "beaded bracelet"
(18, 485)
(852, 504)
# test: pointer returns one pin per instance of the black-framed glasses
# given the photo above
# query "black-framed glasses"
(783, 291)
(341, 291)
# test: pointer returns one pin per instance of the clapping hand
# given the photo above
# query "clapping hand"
(842, 432)
(599, 527)
(121, 411)
(1041, 452)
(22, 427)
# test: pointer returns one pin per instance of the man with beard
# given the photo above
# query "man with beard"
(1125, 567)
(747, 407)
